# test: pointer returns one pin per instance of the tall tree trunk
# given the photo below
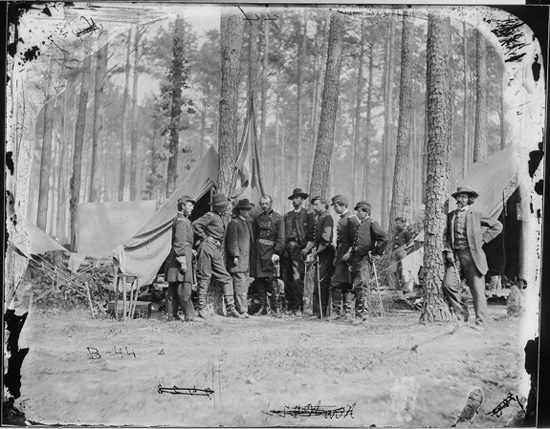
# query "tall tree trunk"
(231, 44)
(357, 123)
(480, 139)
(466, 153)
(301, 48)
(368, 128)
(388, 120)
(99, 111)
(124, 125)
(329, 106)
(263, 119)
(318, 86)
(252, 60)
(45, 166)
(78, 144)
(61, 218)
(176, 72)
(404, 127)
(134, 151)
(439, 152)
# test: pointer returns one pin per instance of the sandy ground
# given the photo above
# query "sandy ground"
(394, 370)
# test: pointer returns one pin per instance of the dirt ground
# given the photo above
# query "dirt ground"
(389, 371)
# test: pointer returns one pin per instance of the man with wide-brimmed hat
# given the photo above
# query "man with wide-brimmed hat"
(467, 231)
(179, 267)
(340, 286)
(268, 231)
(299, 224)
(370, 240)
(238, 245)
(211, 229)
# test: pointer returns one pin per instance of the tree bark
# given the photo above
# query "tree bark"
(480, 139)
(123, 128)
(231, 44)
(176, 83)
(134, 151)
(466, 153)
(368, 127)
(439, 151)
(263, 119)
(357, 125)
(45, 166)
(99, 111)
(299, 91)
(404, 127)
(388, 119)
(78, 144)
(329, 106)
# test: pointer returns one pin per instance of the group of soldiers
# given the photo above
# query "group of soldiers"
(235, 249)
(268, 247)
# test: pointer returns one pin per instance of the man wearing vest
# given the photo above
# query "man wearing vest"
(210, 229)
(179, 267)
(299, 224)
(467, 231)
(401, 238)
(322, 247)
(238, 246)
(370, 240)
(341, 279)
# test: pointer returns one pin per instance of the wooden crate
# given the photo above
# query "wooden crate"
(143, 309)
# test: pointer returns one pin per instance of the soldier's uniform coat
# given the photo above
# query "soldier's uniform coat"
(345, 234)
(268, 232)
(182, 245)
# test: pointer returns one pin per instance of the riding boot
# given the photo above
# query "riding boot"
(230, 307)
(336, 295)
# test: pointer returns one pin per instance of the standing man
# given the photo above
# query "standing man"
(238, 246)
(401, 238)
(268, 232)
(465, 256)
(322, 247)
(370, 240)
(341, 279)
(210, 229)
(179, 267)
(299, 224)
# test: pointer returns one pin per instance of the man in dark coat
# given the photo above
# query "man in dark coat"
(210, 229)
(179, 267)
(467, 231)
(322, 248)
(401, 238)
(299, 224)
(341, 279)
(268, 232)
(238, 245)
(370, 240)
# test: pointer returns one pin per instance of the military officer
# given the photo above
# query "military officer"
(210, 229)
(299, 224)
(322, 247)
(341, 279)
(370, 239)
(179, 267)
(238, 251)
(268, 233)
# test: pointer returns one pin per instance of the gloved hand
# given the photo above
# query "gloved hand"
(235, 261)
(345, 258)
(183, 263)
(450, 258)
(275, 258)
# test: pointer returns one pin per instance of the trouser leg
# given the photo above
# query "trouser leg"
(240, 283)
(360, 287)
(451, 290)
(171, 299)
(204, 273)
(293, 275)
(476, 283)
(273, 288)
(184, 294)
(219, 272)
(336, 289)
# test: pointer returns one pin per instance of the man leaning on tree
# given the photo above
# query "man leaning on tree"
(210, 229)
(467, 231)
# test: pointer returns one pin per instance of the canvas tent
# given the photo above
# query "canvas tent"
(496, 180)
(144, 253)
(39, 241)
(100, 227)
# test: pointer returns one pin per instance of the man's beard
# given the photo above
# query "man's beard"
(296, 204)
